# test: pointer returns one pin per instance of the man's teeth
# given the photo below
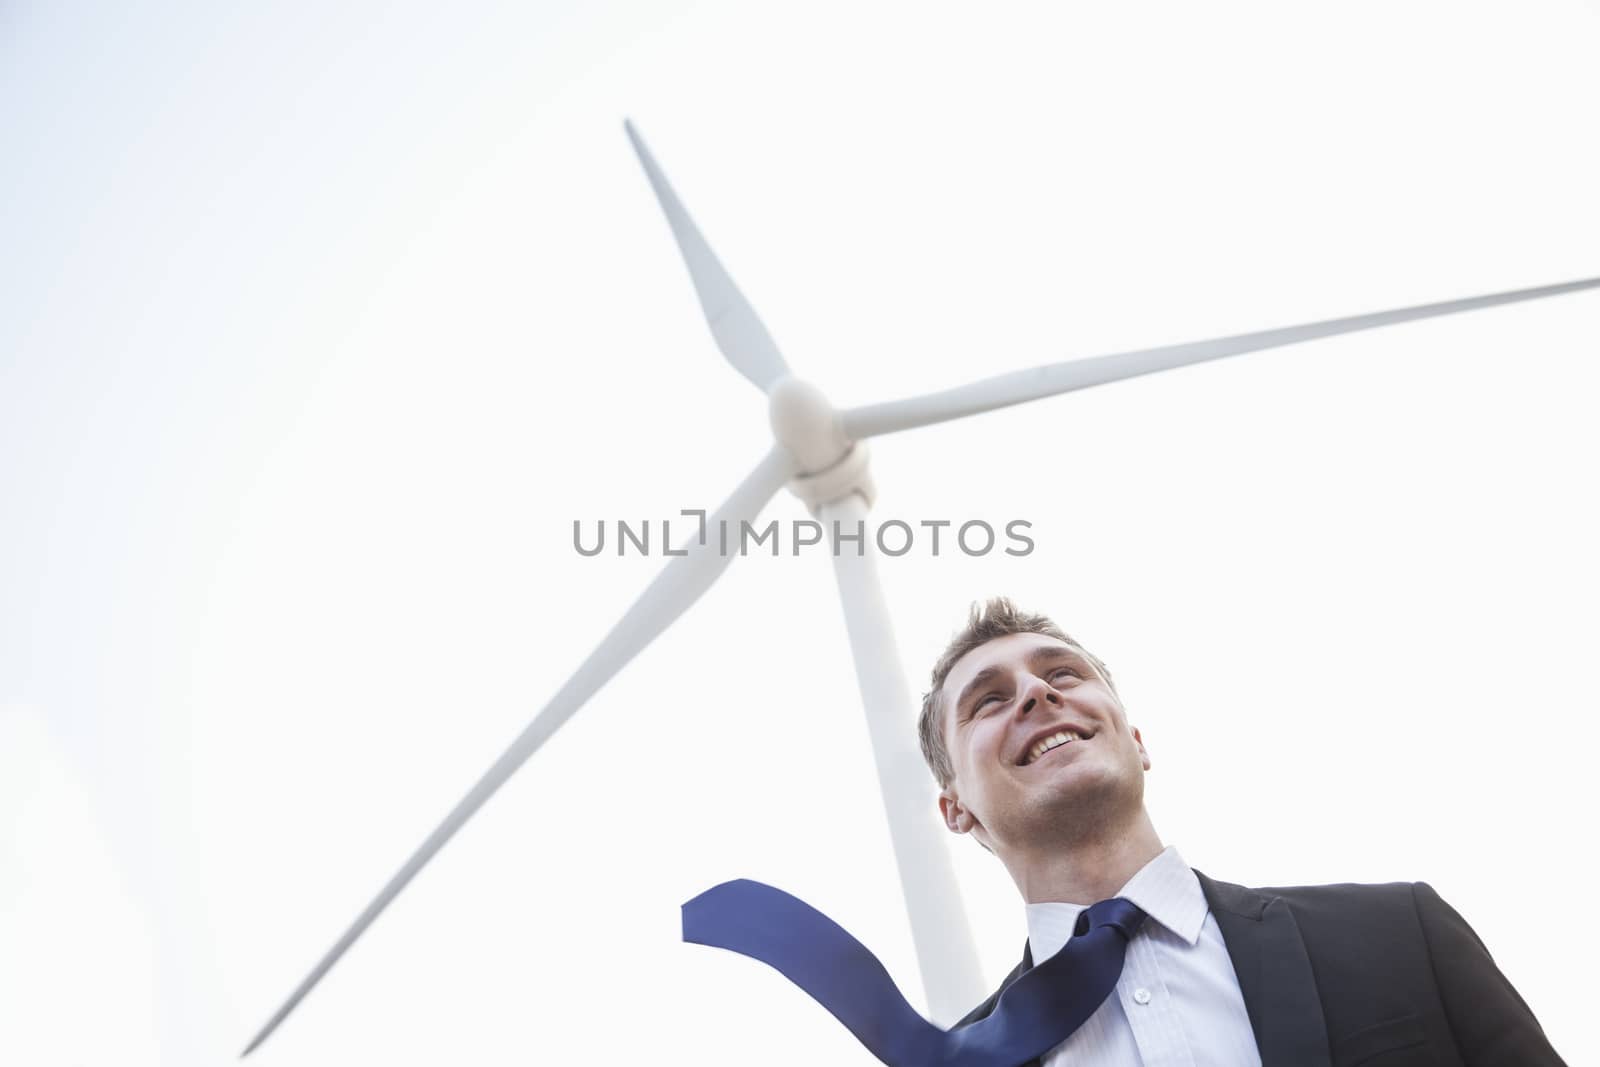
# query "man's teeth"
(1053, 741)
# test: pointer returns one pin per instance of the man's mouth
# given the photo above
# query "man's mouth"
(1053, 741)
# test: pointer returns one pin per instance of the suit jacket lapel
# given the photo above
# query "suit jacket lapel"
(1274, 972)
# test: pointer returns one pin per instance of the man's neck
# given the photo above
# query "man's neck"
(1087, 870)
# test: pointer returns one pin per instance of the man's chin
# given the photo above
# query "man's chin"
(1077, 794)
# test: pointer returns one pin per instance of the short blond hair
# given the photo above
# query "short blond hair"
(996, 617)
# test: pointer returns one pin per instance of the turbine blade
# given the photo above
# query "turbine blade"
(679, 584)
(734, 324)
(1021, 386)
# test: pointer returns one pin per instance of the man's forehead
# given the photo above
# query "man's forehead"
(1000, 652)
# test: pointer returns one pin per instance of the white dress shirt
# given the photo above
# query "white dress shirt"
(1177, 1003)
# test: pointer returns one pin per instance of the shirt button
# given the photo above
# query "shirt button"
(1141, 996)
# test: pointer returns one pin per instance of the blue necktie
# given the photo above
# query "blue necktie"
(1038, 1012)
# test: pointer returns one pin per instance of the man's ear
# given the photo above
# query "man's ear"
(1143, 755)
(957, 819)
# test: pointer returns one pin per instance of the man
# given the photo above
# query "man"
(1035, 758)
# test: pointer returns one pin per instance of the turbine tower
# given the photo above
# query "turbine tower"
(821, 453)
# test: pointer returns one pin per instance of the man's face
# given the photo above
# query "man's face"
(1006, 709)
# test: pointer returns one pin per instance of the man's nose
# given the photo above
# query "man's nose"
(1039, 691)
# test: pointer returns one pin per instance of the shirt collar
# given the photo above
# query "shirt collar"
(1165, 889)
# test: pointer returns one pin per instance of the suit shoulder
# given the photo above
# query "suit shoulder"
(1342, 891)
(1351, 912)
(1248, 901)
(1345, 898)
(1332, 906)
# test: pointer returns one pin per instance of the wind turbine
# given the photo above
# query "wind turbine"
(821, 453)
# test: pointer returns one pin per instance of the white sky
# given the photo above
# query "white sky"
(322, 324)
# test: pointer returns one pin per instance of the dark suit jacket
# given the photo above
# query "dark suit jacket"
(1376, 975)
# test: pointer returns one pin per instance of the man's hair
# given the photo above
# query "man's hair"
(997, 617)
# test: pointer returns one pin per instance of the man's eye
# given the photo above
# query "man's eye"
(1063, 670)
(978, 707)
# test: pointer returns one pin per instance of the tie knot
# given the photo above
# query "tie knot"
(1122, 914)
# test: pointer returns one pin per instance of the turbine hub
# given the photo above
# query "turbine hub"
(832, 466)
(805, 423)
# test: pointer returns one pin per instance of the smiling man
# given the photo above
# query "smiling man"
(1036, 759)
